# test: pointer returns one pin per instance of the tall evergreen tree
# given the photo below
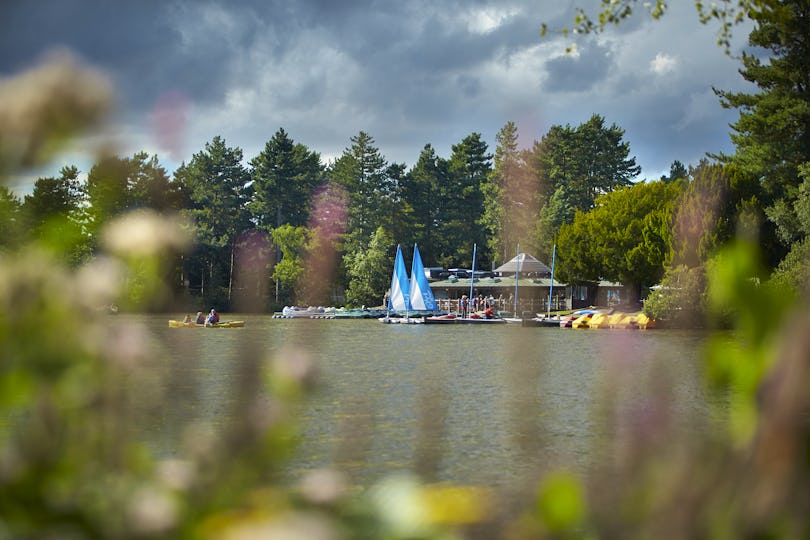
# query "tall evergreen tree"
(574, 167)
(150, 186)
(709, 211)
(772, 134)
(422, 206)
(116, 185)
(52, 214)
(677, 171)
(362, 171)
(11, 226)
(108, 190)
(586, 162)
(216, 184)
(284, 176)
(469, 169)
(510, 198)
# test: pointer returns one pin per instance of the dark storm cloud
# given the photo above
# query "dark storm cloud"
(578, 72)
(409, 73)
(137, 43)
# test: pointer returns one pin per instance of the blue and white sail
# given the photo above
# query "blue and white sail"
(399, 297)
(421, 296)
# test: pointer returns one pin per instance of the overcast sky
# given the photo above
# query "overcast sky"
(406, 72)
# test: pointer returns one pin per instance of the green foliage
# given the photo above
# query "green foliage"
(52, 215)
(727, 13)
(793, 272)
(361, 171)
(737, 289)
(510, 198)
(677, 171)
(11, 226)
(421, 204)
(709, 210)
(573, 167)
(284, 176)
(626, 238)
(216, 185)
(561, 504)
(772, 134)
(585, 162)
(369, 271)
(288, 271)
(680, 300)
(463, 194)
(116, 185)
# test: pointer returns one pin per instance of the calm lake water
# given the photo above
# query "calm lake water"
(467, 404)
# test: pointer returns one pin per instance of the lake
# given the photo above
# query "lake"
(456, 402)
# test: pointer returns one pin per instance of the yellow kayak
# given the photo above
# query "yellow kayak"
(223, 324)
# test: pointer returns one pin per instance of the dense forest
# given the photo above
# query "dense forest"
(265, 226)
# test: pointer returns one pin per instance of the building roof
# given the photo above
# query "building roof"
(524, 264)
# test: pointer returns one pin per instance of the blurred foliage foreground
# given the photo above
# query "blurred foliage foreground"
(71, 465)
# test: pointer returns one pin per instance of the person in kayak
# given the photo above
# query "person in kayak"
(213, 317)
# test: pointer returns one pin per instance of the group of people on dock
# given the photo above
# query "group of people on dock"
(467, 307)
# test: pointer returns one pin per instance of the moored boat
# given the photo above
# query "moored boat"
(599, 320)
(583, 321)
(568, 320)
(644, 322)
(295, 312)
(479, 320)
(441, 319)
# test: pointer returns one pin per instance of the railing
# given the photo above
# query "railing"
(525, 306)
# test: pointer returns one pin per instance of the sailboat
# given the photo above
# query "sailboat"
(407, 297)
(420, 294)
(399, 298)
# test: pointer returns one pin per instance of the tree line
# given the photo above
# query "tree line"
(284, 227)
(257, 223)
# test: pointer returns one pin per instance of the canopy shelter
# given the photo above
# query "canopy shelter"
(525, 264)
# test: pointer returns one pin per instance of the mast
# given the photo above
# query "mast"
(517, 271)
(551, 287)
(472, 278)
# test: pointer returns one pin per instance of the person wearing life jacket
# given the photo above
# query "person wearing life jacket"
(213, 318)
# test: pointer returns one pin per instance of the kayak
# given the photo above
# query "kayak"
(223, 324)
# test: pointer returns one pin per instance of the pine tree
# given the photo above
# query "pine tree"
(772, 134)
(216, 184)
(284, 176)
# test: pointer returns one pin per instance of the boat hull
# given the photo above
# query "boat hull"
(224, 324)
(459, 320)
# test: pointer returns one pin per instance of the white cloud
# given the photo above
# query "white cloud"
(488, 19)
(663, 64)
